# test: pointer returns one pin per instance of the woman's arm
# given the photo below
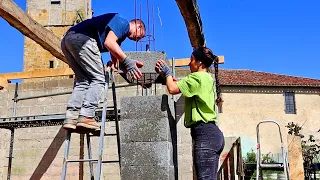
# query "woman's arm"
(172, 85)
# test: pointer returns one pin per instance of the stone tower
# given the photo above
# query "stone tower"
(57, 16)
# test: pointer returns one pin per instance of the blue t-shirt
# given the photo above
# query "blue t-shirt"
(98, 28)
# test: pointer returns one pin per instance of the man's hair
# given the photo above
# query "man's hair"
(140, 22)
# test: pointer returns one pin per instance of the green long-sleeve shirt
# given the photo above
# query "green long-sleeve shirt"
(198, 87)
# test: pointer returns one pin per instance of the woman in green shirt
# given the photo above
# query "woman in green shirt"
(198, 89)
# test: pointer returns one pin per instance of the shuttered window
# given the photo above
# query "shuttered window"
(290, 104)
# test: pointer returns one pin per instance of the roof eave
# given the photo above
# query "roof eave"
(274, 85)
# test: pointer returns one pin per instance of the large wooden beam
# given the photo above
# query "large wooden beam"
(191, 15)
(185, 61)
(3, 83)
(20, 20)
(68, 71)
(37, 74)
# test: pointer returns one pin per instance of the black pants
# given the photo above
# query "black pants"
(208, 145)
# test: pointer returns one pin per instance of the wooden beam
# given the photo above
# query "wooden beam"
(20, 20)
(185, 61)
(38, 74)
(3, 83)
(69, 71)
(190, 12)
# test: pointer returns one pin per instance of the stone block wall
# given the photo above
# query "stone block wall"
(38, 152)
(148, 138)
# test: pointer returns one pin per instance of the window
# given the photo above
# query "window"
(55, 1)
(51, 64)
(290, 104)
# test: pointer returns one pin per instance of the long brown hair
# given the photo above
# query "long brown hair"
(206, 57)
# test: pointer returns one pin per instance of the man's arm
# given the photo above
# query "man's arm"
(114, 61)
(131, 65)
(111, 44)
(113, 58)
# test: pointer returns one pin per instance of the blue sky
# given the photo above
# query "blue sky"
(271, 36)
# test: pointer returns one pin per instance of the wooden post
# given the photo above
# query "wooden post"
(295, 158)
(20, 20)
(3, 83)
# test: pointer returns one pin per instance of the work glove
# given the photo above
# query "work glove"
(131, 67)
(162, 67)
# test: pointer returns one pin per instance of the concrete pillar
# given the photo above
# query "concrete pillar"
(148, 138)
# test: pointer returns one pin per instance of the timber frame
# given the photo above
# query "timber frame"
(6, 77)
(20, 20)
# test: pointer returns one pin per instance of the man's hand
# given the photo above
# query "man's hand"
(162, 67)
(132, 68)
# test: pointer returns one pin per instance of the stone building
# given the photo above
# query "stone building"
(251, 96)
(57, 16)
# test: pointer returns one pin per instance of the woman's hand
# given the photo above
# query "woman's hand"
(171, 82)
(163, 68)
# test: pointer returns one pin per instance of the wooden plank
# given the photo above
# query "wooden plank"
(191, 15)
(232, 164)
(226, 168)
(3, 83)
(20, 20)
(38, 74)
(295, 158)
(185, 61)
(68, 71)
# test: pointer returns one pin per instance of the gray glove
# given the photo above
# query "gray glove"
(165, 69)
(131, 68)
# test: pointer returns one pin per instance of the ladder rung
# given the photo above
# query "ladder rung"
(105, 134)
(272, 166)
(110, 161)
(108, 108)
(111, 134)
(82, 160)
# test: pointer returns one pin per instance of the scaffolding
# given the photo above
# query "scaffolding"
(16, 122)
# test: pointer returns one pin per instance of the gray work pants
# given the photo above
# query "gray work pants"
(84, 58)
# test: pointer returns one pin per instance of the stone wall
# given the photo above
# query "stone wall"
(38, 152)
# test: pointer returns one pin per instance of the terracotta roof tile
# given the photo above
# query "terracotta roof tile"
(249, 77)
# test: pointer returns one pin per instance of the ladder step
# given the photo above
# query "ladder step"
(82, 160)
(105, 134)
(272, 166)
(110, 161)
(109, 108)
(101, 106)
(94, 160)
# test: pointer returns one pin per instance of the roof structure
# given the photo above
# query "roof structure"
(255, 78)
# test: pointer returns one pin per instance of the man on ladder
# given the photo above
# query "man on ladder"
(82, 45)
